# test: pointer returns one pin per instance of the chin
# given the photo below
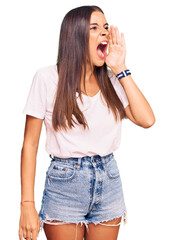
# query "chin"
(99, 63)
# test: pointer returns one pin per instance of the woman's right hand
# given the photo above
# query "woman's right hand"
(29, 224)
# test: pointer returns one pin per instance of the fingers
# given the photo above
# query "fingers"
(114, 36)
(123, 40)
(20, 233)
(28, 235)
(110, 37)
(38, 227)
(118, 40)
(24, 233)
(34, 235)
(30, 230)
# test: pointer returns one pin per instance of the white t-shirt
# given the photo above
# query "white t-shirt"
(104, 133)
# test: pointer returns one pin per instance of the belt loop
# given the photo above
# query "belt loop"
(104, 162)
(79, 164)
(92, 158)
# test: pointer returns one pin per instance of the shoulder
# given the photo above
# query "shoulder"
(47, 69)
(46, 77)
(47, 72)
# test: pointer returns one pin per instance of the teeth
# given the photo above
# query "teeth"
(104, 43)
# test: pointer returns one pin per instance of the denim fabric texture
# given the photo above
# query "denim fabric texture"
(82, 190)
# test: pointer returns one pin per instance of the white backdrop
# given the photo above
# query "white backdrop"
(29, 41)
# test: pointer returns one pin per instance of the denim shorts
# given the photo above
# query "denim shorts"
(82, 190)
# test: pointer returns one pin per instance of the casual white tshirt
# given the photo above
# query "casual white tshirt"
(104, 133)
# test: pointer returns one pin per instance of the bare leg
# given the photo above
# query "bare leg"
(103, 232)
(70, 231)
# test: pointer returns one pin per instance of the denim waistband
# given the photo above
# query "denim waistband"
(79, 160)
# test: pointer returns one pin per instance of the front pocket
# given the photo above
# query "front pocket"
(112, 169)
(61, 172)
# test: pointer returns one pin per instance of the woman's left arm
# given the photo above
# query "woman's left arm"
(138, 110)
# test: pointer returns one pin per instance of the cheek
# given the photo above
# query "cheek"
(93, 52)
(91, 46)
(93, 41)
(92, 49)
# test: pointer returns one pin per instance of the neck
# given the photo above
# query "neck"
(89, 77)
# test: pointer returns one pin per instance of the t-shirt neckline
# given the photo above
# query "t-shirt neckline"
(92, 96)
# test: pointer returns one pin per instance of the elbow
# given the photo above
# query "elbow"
(149, 123)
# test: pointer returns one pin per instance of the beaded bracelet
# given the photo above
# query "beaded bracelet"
(123, 74)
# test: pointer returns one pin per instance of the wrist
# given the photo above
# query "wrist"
(123, 74)
(27, 202)
(26, 206)
(118, 69)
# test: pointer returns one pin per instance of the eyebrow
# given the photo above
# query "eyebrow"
(106, 24)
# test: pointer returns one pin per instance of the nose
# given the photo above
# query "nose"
(104, 32)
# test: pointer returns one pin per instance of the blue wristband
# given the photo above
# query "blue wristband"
(123, 74)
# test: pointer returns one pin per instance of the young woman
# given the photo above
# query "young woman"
(82, 100)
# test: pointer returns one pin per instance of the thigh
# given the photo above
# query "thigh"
(70, 231)
(103, 232)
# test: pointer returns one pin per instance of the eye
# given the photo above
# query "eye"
(93, 28)
(107, 28)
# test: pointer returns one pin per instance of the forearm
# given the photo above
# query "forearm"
(139, 106)
(28, 168)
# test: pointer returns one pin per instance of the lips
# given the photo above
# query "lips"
(101, 49)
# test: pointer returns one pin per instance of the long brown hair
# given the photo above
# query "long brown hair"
(71, 64)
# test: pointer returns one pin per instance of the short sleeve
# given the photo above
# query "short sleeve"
(36, 100)
(118, 88)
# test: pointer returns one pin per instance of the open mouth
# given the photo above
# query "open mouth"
(101, 49)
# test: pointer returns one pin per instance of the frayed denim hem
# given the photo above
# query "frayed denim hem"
(50, 221)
